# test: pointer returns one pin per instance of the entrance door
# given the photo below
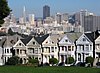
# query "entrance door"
(62, 58)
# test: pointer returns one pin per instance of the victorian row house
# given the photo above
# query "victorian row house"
(43, 47)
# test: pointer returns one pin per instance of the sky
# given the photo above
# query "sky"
(62, 6)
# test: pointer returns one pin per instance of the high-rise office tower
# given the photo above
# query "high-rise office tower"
(24, 14)
(46, 11)
(31, 19)
(91, 23)
(77, 16)
(64, 17)
(58, 18)
(83, 13)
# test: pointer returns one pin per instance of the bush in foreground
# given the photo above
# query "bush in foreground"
(89, 60)
(53, 61)
(34, 62)
(13, 60)
(69, 60)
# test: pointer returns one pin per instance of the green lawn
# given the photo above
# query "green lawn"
(24, 69)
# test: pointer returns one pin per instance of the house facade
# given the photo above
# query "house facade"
(34, 50)
(50, 49)
(84, 47)
(2, 41)
(8, 46)
(67, 46)
(66, 49)
(20, 51)
(97, 47)
(43, 47)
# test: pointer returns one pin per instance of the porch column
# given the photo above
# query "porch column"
(89, 47)
(16, 52)
(81, 56)
(64, 48)
(76, 56)
(64, 58)
(19, 51)
(50, 49)
(60, 58)
(71, 48)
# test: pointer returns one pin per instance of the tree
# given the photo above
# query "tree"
(13, 60)
(69, 60)
(53, 61)
(34, 62)
(89, 60)
(4, 10)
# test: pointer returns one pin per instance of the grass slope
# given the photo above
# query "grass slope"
(24, 69)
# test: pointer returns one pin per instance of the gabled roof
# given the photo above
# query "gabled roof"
(15, 29)
(11, 40)
(26, 40)
(73, 36)
(41, 39)
(91, 36)
(55, 38)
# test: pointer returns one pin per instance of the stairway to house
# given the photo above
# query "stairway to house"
(95, 61)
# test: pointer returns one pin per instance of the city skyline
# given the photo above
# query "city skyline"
(63, 6)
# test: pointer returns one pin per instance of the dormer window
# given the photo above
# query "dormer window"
(19, 44)
(84, 39)
(33, 43)
(66, 40)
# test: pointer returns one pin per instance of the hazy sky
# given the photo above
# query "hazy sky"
(63, 6)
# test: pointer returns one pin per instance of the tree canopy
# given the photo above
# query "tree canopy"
(4, 10)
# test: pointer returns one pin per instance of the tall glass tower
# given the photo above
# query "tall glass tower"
(46, 11)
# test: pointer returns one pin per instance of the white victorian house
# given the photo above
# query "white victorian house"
(66, 49)
(1, 51)
(8, 46)
(84, 47)
(20, 50)
(97, 47)
(34, 49)
(97, 51)
(49, 48)
(67, 46)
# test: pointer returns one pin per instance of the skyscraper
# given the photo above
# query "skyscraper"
(58, 18)
(31, 19)
(91, 23)
(64, 17)
(24, 14)
(46, 11)
(83, 13)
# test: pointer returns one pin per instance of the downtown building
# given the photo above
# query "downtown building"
(91, 23)
(46, 11)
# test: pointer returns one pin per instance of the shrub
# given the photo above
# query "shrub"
(89, 60)
(69, 60)
(34, 62)
(13, 60)
(53, 61)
